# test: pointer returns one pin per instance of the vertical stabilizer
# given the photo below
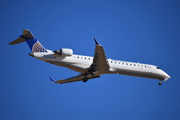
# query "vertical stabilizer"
(33, 43)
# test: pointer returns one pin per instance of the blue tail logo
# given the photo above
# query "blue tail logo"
(35, 45)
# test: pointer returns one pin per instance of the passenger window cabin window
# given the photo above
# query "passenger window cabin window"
(77, 57)
(134, 64)
(89, 58)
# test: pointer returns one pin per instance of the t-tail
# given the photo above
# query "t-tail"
(33, 43)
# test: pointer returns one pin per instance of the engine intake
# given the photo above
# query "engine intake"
(64, 52)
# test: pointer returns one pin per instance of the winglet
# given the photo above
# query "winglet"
(51, 79)
(97, 43)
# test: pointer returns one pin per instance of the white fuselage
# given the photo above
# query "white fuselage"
(89, 67)
(80, 63)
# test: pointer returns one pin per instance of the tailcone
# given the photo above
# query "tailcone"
(31, 54)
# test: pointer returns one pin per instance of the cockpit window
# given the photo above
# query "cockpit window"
(157, 67)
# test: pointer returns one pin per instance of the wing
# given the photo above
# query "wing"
(74, 79)
(100, 62)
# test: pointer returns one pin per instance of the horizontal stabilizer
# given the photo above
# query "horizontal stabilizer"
(17, 41)
(27, 34)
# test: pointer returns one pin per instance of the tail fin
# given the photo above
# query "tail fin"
(33, 43)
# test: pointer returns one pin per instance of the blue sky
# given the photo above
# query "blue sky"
(138, 31)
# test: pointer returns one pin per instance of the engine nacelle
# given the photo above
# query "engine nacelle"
(64, 52)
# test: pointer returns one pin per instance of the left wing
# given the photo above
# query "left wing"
(75, 78)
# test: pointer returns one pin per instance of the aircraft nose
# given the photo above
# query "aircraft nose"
(169, 77)
(166, 76)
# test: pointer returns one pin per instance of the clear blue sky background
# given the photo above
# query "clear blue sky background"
(146, 31)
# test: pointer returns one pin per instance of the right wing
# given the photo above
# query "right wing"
(100, 64)
(74, 79)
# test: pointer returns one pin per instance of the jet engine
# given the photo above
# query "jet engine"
(64, 52)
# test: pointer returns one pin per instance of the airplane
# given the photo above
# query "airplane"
(88, 67)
